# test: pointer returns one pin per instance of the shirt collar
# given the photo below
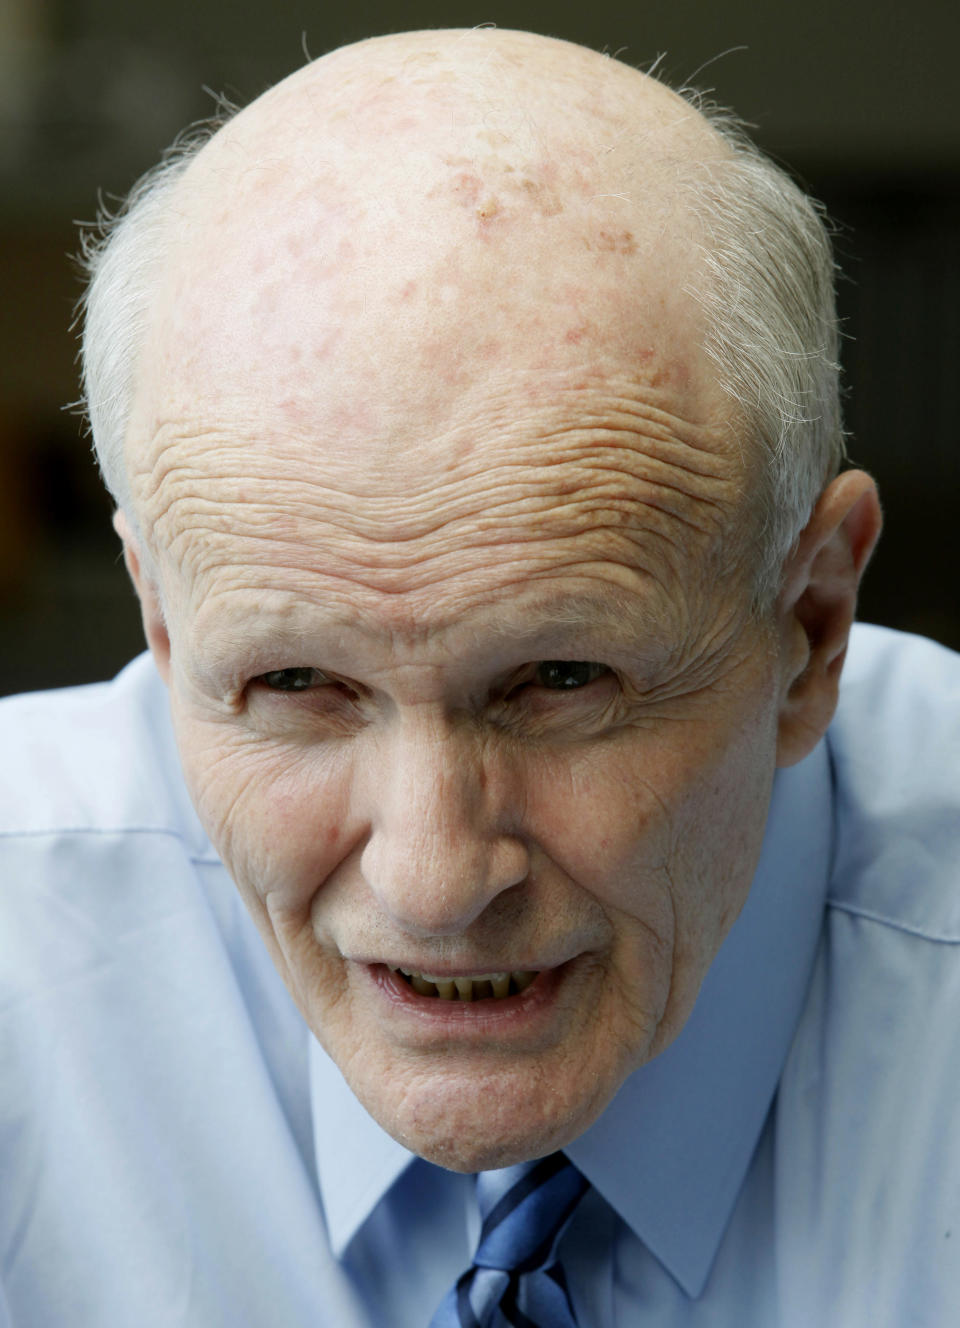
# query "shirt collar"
(672, 1150)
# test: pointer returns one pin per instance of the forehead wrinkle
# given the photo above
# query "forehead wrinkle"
(593, 479)
(298, 528)
(519, 408)
(604, 501)
(452, 573)
(497, 465)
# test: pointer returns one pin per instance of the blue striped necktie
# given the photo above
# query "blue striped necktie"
(515, 1278)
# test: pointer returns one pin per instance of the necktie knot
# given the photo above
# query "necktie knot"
(525, 1211)
(515, 1278)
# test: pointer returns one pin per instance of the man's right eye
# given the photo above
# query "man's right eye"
(292, 680)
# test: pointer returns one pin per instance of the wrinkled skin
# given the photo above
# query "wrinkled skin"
(421, 405)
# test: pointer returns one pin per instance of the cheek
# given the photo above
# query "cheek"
(601, 820)
(276, 816)
(720, 824)
(667, 833)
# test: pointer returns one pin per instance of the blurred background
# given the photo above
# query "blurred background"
(855, 98)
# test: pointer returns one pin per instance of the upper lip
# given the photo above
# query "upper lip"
(465, 973)
(440, 968)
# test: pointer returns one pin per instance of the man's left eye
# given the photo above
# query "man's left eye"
(292, 680)
(567, 674)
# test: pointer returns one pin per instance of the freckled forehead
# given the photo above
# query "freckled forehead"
(434, 204)
(416, 368)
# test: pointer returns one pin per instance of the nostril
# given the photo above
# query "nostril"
(438, 886)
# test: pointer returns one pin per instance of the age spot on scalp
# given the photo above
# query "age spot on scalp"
(613, 242)
(578, 332)
(466, 188)
(543, 197)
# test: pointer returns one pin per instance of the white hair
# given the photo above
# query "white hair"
(121, 255)
(765, 291)
(767, 294)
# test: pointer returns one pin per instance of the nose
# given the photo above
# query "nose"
(442, 841)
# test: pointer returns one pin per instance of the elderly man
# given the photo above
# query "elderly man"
(470, 409)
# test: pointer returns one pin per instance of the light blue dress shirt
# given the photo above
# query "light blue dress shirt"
(175, 1148)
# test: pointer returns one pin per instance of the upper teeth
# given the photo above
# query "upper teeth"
(474, 988)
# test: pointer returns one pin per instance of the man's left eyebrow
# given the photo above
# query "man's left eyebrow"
(616, 612)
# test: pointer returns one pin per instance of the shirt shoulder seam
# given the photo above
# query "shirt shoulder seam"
(897, 924)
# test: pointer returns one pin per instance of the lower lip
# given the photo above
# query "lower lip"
(520, 1011)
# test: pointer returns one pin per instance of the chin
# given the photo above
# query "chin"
(485, 1120)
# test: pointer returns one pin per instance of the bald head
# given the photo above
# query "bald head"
(535, 124)
(427, 209)
(493, 86)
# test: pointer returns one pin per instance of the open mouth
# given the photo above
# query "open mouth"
(480, 987)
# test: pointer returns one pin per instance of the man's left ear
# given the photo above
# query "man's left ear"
(816, 607)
